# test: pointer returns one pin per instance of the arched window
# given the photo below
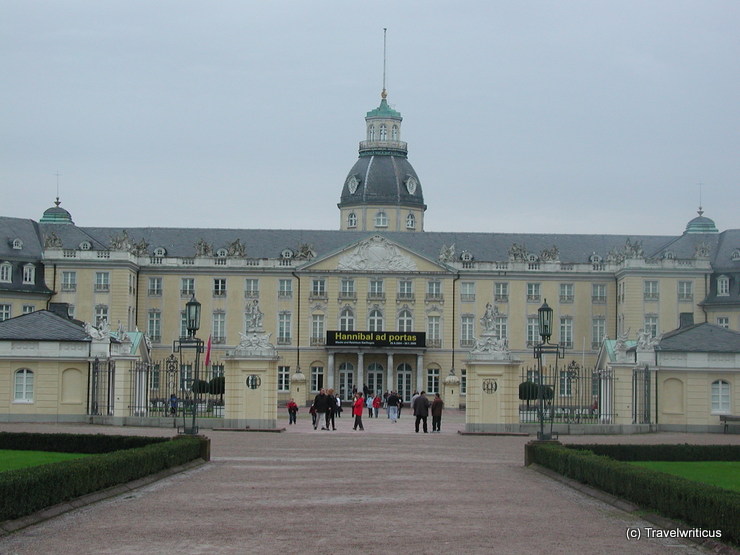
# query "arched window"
(23, 386)
(383, 132)
(723, 286)
(347, 320)
(370, 132)
(352, 220)
(720, 397)
(375, 322)
(410, 221)
(405, 321)
(381, 219)
(6, 272)
(394, 133)
(29, 274)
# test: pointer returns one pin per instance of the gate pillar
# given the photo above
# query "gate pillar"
(492, 396)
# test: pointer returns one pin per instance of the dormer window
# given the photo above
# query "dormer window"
(17, 244)
(594, 259)
(410, 221)
(221, 253)
(668, 255)
(287, 254)
(352, 220)
(723, 286)
(381, 219)
(29, 274)
(85, 246)
(160, 252)
(466, 256)
(735, 256)
(6, 272)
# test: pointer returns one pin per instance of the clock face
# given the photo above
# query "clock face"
(352, 184)
(411, 185)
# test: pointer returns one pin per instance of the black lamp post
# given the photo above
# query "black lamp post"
(192, 324)
(544, 315)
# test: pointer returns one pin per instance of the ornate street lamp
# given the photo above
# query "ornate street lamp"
(544, 316)
(192, 316)
(192, 324)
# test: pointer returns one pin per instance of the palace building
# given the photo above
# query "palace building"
(379, 303)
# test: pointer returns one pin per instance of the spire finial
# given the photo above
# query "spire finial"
(384, 94)
(700, 211)
(57, 202)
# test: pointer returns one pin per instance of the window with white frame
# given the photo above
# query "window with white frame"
(434, 290)
(352, 220)
(187, 287)
(598, 331)
(463, 381)
(23, 386)
(6, 272)
(467, 330)
(685, 290)
(183, 324)
(433, 331)
(405, 289)
(29, 274)
(650, 324)
(28, 308)
(566, 331)
(501, 292)
(376, 289)
(501, 327)
(251, 288)
(381, 219)
(375, 320)
(284, 328)
(101, 315)
(567, 292)
(155, 287)
(317, 329)
(533, 330)
(432, 380)
(317, 378)
(283, 378)
(219, 327)
(370, 132)
(154, 326)
(598, 293)
(394, 133)
(566, 383)
(467, 291)
(405, 321)
(410, 221)
(723, 322)
(285, 288)
(533, 292)
(4, 312)
(347, 320)
(217, 370)
(155, 377)
(723, 286)
(721, 397)
(347, 288)
(102, 281)
(186, 377)
(650, 290)
(383, 132)
(219, 287)
(318, 288)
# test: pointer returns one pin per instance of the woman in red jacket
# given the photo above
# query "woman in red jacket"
(357, 407)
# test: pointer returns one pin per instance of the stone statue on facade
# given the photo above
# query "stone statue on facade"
(202, 248)
(254, 316)
(100, 333)
(518, 253)
(548, 255)
(447, 254)
(236, 248)
(120, 242)
(52, 241)
(305, 252)
(487, 322)
(140, 248)
(255, 344)
(376, 253)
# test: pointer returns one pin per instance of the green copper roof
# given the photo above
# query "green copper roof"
(384, 111)
(56, 215)
(701, 224)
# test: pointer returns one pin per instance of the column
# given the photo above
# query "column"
(389, 374)
(420, 372)
(330, 372)
(360, 370)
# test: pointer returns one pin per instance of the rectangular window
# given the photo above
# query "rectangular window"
(501, 292)
(186, 377)
(183, 324)
(23, 386)
(434, 291)
(598, 332)
(347, 289)
(155, 377)
(155, 287)
(318, 288)
(720, 397)
(376, 289)
(101, 315)
(651, 325)
(433, 380)
(283, 328)
(567, 292)
(723, 322)
(102, 281)
(29, 274)
(219, 287)
(685, 290)
(598, 293)
(434, 339)
(317, 378)
(218, 335)
(154, 326)
(283, 378)
(566, 383)
(533, 292)
(217, 370)
(533, 330)
(187, 287)
(650, 289)
(467, 331)
(467, 291)
(251, 288)
(317, 329)
(463, 381)
(285, 289)
(6, 272)
(501, 327)
(4, 312)
(566, 332)
(723, 286)
(69, 281)
(406, 290)
(28, 308)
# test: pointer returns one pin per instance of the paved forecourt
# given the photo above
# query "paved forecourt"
(384, 490)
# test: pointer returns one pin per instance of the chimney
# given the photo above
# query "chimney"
(685, 319)
(60, 309)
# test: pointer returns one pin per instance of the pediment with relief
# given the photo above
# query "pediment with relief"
(376, 254)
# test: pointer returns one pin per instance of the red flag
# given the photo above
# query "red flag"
(208, 352)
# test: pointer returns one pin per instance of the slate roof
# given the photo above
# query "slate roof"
(25, 230)
(41, 325)
(701, 338)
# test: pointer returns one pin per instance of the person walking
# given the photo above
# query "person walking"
(331, 410)
(339, 406)
(292, 412)
(421, 410)
(357, 407)
(377, 401)
(437, 405)
(369, 405)
(393, 400)
(321, 405)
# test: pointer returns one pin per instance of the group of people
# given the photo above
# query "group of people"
(327, 406)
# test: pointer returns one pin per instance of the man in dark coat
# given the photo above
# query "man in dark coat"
(421, 410)
(321, 405)
(437, 406)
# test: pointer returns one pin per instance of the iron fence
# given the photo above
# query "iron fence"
(101, 387)
(572, 395)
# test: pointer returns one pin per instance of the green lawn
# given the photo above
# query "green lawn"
(724, 474)
(11, 459)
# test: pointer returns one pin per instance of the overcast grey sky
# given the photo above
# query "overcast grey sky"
(520, 116)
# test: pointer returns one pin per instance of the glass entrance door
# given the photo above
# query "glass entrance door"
(403, 382)
(346, 380)
(375, 379)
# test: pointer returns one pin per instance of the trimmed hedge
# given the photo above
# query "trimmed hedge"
(683, 452)
(700, 505)
(27, 490)
(73, 443)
